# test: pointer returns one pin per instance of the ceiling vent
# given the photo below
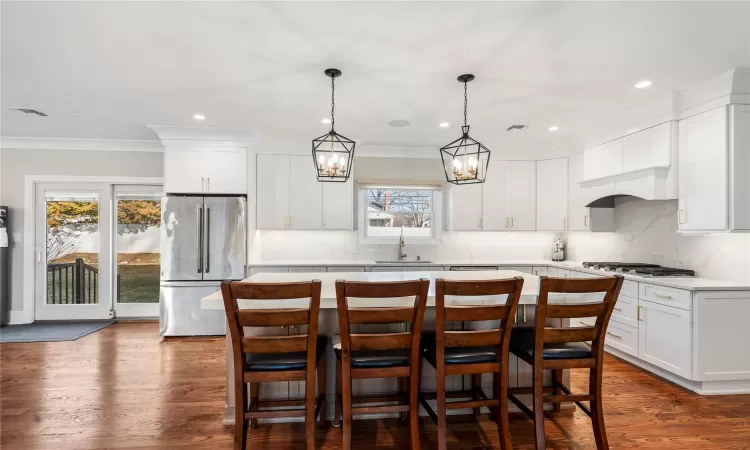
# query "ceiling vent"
(30, 111)
(516, 127)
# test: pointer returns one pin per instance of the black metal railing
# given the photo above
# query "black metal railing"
(74, 283)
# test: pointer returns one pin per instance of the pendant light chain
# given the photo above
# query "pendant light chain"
(333, 102)
(466, 101)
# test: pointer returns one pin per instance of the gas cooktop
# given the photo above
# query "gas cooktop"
(641, 269)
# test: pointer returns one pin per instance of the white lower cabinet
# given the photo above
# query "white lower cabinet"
(622, 337)
(665, 337)
(626, 311)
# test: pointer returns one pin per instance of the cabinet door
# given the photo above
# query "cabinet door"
(592, 163)
(494, 195)
(273, 192)
(552, 194)
(522, 195)
(226, 170)
(636, 150)
(665, 337)
(184, 171)
(612, 157)
(305, 195)
(338, 206)
(578, 216)
(703, 171)
(466, 203)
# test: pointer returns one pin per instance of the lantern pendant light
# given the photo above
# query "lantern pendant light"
(465, 160)
(333, 154)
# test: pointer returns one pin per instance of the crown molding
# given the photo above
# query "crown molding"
(177, 135)
(110, 145)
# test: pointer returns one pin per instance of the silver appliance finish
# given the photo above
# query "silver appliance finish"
(180, 312)
(4, 266)
(203, 240)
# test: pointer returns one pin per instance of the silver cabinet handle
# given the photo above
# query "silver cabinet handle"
(660, 295)
(38, 257)
(208, 185)
(680, 214)
(524, 313)
(199, 213)
(613, 335)
(203, 184)
(585, 221)
(618, 309)
(639, 314)
(565, 223)
(208, 238)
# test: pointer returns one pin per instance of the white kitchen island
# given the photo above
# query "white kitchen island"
(520, 372)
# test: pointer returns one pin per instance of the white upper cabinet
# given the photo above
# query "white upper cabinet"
(273, 192)
(612, 157)
(495, 196)
(714, 165)
(305, 195)
(592, 168)
(205, 170)
(636, 151)
(580, 216)
(466, 206)
(521, 194)
(184, 171)
(338, 206)
(552, 194)
(226, 171)
(290, 196)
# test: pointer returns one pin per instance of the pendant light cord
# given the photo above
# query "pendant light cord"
(333, 102)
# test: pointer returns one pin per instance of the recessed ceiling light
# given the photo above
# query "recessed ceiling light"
(553, 128)
(444, 124)
(325, 121)
(643, 84)
(399, 123)
(199, 117)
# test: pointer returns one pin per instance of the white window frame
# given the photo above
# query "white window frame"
(436, 215)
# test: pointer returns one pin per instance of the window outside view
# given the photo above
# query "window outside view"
(388, 210)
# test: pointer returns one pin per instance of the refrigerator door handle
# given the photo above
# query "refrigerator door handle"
(200, 238)
(208, 238)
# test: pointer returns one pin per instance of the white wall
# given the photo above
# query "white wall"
(17, 163)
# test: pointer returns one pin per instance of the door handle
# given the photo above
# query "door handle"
(565, 223)
(207, 238)
(614, 335)
(208, 184)
(199, 212)
(585, 221)
(203, 184)
(38, 257)
(680, 219)
(639, 314)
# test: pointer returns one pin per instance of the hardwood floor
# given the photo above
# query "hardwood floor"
(125, 387)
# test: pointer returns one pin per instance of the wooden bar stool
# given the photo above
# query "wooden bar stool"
(275, 358)
(564, 348)
(379, 355)
(472, 352)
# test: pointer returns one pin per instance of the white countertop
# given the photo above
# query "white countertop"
(688, 283)
(328, 288)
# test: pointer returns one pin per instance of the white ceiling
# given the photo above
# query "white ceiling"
(121, 66)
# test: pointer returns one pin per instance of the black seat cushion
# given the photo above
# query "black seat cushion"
(522, 344)
(375, 359)
(274, 362)
(457, 355)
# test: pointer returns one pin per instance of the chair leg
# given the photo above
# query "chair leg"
(500, 387)
(442, 411)
(557, 379)
(414, 409)
(323, 389)
(240, 423)
(404, 390)
(310, 408)
(538, 392)
(337, 406)
(476, 383)
(597, 413)
(254, 394)
(346, 394)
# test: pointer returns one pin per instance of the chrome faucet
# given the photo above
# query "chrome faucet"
(401, 254)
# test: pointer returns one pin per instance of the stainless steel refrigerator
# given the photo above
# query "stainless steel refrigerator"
(203, 241)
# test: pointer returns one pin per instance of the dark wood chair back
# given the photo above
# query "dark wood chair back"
(602, 310)
(505, 313)
(238, 319)
(412, 315)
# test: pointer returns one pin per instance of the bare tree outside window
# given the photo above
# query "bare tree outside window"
(397, 208)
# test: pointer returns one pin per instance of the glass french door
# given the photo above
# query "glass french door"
(73, 250)
(137, 217)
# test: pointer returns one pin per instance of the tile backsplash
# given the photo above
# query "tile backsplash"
(646, 232)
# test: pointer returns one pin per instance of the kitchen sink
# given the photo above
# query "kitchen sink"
(403, 262)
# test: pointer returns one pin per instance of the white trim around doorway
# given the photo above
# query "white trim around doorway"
(29, 227)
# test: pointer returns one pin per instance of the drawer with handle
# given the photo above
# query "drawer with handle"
(626, 311)
(678, 298)
(622, 338)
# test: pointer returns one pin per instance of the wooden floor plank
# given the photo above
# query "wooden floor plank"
(125, 387)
